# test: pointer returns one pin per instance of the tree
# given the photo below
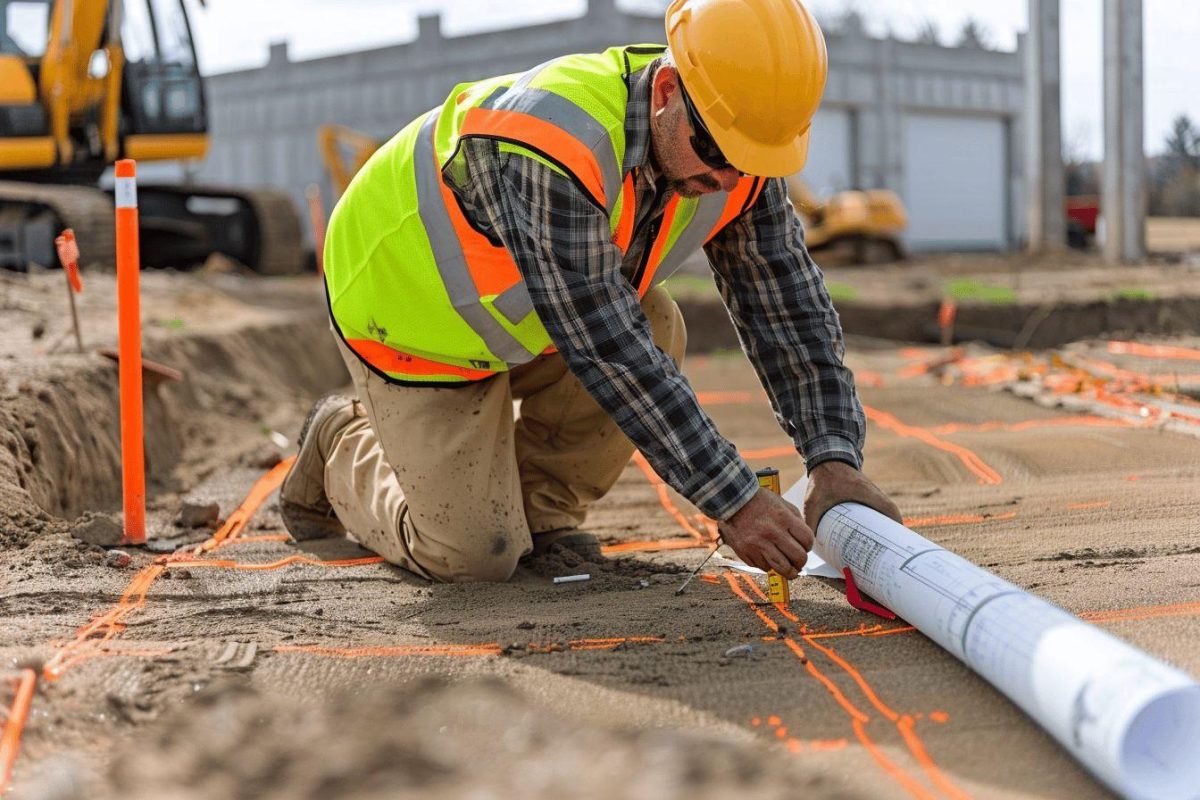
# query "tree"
(975, 35)
(1183, 143)
(928, 33)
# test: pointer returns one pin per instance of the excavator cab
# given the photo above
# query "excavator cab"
(86, 82)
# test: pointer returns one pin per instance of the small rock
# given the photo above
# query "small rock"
(182, 575)
(38, 330)
(198, 515)
(117, 558)
(740, 651)
(642, 584)
(526, 626)
(97, 528)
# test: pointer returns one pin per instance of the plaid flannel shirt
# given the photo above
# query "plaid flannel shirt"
(580, 286)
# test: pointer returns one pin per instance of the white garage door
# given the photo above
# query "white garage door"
(830, 166)
(954, 183)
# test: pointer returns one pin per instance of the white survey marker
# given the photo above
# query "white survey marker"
(1128, 717)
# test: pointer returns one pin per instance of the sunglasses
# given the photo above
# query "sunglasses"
(701, 140)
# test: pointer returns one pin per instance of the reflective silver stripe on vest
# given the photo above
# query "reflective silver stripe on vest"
(708, 213)
(581, 125)
(514, 303)
(448, 253)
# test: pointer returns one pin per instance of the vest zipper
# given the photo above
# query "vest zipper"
(645, 260)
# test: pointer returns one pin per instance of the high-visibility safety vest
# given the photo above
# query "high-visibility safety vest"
(418, 293)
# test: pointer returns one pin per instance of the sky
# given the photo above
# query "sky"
(235, 34)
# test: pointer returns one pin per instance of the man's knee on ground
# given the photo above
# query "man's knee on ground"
(495, 561)
(666, 322)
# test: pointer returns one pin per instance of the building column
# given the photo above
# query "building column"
(1046, 178)
(1123, 196)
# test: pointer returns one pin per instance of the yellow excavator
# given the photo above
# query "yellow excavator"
(851, 227)
(86, 82)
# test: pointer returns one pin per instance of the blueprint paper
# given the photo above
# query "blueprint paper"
(1128, 717)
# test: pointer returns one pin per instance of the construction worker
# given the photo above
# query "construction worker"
(508, 246)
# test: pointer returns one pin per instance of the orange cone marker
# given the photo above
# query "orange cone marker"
(129, 261)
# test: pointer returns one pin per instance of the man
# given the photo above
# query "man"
(506, 246)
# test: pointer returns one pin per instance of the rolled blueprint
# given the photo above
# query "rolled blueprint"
(1128, 717)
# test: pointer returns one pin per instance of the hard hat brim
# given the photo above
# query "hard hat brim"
(758, 159)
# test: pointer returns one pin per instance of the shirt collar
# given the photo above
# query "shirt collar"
(637, 123)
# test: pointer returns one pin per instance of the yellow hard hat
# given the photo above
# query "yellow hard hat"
(755, 71)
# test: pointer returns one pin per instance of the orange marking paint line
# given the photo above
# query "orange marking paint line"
(877, 630)
(1142, 612)
(266, 537)
(970, 460)
(283, 562)
(654, 544)
(1097, 504)
(907, 727)
(710, 579)
(940, 717)
(915, 746)
(1017, 427)
(91, 638)
(14, 724)
(770, 623)
(770, 452)
(857, 717)
(454, 650)
(956, 519)
(869, 379)
(663, 497)
(458, 650)
(726, 398)
(1153, 351)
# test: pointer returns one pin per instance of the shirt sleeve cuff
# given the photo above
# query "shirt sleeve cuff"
(830, 447)
(728, 498)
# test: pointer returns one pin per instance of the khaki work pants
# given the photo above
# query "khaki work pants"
(450, 483)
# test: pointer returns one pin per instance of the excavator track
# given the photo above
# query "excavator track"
(33, 214)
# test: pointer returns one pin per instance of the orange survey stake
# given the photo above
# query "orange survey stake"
(129, 260)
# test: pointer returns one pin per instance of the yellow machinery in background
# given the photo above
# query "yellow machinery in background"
(86, 82)
(857, 227)
(853, 227)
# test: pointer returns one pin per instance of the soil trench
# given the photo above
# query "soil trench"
(255, 667)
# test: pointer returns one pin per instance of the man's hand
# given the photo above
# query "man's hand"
(769, 533)
(833, 482)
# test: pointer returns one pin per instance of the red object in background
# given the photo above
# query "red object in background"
(1084, 210)
(68, 256)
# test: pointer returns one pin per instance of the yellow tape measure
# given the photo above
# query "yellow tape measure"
(778, 590)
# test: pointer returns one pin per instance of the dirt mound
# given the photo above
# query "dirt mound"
(430, 738)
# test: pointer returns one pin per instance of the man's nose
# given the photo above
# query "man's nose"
(727, 177)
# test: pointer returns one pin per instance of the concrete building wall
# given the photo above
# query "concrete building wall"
(264, 121)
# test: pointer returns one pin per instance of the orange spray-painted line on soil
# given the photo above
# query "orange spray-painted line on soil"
(726, 398)
(14, 724)
(654, 544)
(1142, 612)
(956, 519)
(459, 650)
(916, 746)
(969, 459)
(857, 717)
(283, 562)
(91, 638)
(770, 452)
(663, 497)
(1016, 427)
(1153, 351)
(1097, 504)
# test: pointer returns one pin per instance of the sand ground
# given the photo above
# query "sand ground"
(257, 668)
